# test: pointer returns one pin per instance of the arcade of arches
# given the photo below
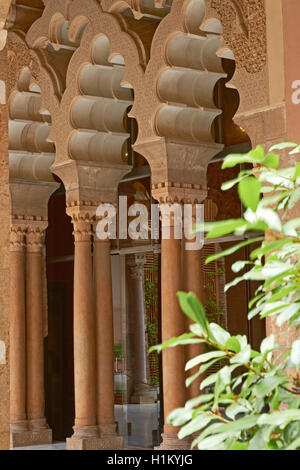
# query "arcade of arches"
(101, 99)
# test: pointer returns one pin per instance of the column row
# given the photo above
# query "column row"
(27, 401)
(95, 426)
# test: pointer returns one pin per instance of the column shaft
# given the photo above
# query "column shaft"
(84, 332)
(137, 325)
(17, 332)
(172, 325)
(105, 336)
(193, 283)
(34, 323)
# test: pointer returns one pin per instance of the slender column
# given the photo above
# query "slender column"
(105, 345)
(84, 336)
(173, 324)
(194, 280)
(193, 283)
(34, 324)
(18, 421)
(141, 389)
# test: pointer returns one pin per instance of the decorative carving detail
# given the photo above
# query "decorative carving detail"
(82, 214)
(35, 238)
(17, 238)
(82, 229)
(244, 31)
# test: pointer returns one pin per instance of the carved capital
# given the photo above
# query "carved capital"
(170, 193)
(83, 215)
(136, 265)
(35, 238)
(82, 228)
(17, 238)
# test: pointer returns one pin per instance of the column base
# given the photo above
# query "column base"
(142, 395)
(30, 437)
(95, 443)
(95, 438)
(171, 442)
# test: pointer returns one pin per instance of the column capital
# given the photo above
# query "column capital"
(35, 238)
(17, 238)
(170, 192)
(83, 215)
(136, 264)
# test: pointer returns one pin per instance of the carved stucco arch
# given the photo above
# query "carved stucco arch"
(30, 154)
(22, 60)
(84, 28)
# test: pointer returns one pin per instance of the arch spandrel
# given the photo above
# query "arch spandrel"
(244, 32)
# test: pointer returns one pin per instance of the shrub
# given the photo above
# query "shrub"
(255, 402)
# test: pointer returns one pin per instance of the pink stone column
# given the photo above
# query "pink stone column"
(18, 421)
(141, 390)
(34, 331)
(193, 283)
(173, 324)
(105, 345)
(85, 429)
(84, 327)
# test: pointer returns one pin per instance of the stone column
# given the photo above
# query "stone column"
(18, 418)
(105, 346)
(34, 335)
(85, 430)
(172, 324)
(193, 283)
(136, 289)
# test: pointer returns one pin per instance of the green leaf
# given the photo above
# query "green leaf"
(234, 409)
(179, 416)
(229, 184)
(249, 192)
(267, 385)
(191, 306)
(186, 338)
(271, 160)
(282, 146)
(259, 440)
(204, 358)
(294, 445)
(233, 249)
(295, 353)
(212, 442)
(290, 227)
(268, 247)
(239, 446)
(223, 227)
(191, 379)
(219, 333)
(199, 400)
(240, 265)
(267, 344)
(243, 357)
(197, 423)
(279, 418)
(297, 172)
(233, 344)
